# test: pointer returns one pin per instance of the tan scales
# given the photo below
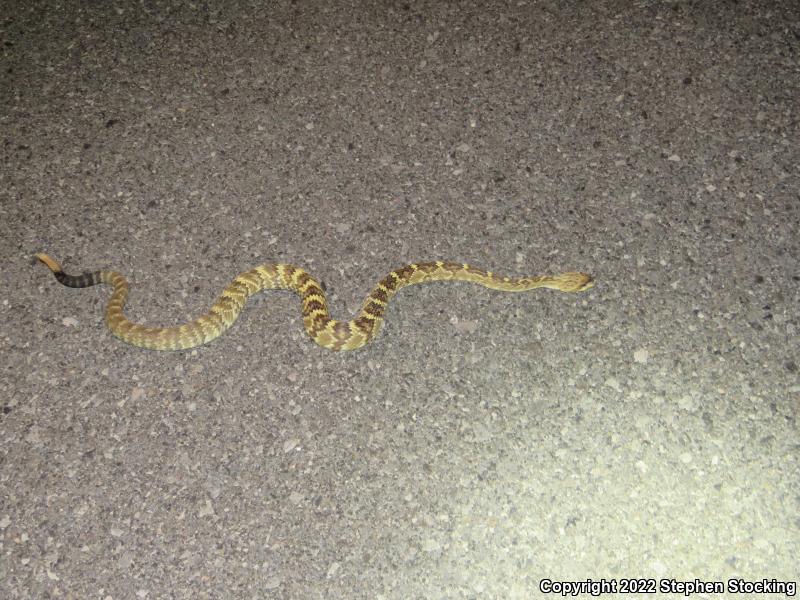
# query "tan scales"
(323, 329)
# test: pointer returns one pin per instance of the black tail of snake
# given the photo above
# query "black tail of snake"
(323, 329)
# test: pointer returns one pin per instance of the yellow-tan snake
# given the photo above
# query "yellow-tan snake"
(324, 330)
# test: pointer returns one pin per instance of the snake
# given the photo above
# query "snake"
(320, 326)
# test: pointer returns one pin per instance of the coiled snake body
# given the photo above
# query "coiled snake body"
(324, 330)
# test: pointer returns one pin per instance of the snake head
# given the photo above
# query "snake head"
(574, 282)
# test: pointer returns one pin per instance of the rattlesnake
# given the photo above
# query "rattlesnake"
(324, 330)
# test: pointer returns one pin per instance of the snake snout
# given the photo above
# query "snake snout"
(575, 282)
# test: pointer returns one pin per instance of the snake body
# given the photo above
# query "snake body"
(323, 329)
